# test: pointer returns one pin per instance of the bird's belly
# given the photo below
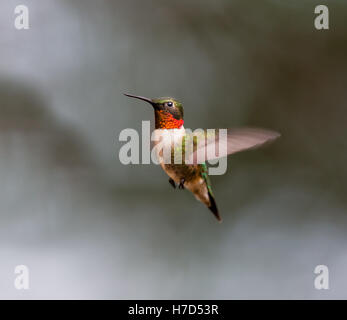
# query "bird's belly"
(177, 172)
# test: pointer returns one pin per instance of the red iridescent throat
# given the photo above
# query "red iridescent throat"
(165, 120)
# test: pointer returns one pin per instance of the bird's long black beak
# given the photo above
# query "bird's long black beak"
(139, 97)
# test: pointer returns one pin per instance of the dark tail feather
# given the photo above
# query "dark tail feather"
(213, 207)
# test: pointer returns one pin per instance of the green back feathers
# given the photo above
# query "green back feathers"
(205, 176)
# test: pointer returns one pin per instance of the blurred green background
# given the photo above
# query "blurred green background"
(89, 227)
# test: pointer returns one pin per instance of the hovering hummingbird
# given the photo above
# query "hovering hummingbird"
(168, 113)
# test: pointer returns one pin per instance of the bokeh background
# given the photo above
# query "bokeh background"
(89, 227)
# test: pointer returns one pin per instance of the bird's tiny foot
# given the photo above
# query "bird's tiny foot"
(172, 183)
(181, 185)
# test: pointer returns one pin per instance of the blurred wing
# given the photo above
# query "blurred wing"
(214, 144)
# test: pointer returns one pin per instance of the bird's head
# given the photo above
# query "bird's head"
(168, 112)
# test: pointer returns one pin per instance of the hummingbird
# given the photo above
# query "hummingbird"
(168, 115)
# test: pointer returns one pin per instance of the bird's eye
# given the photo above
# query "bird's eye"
(169, 104)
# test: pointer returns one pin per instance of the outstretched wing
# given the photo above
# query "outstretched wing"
(216, 143)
